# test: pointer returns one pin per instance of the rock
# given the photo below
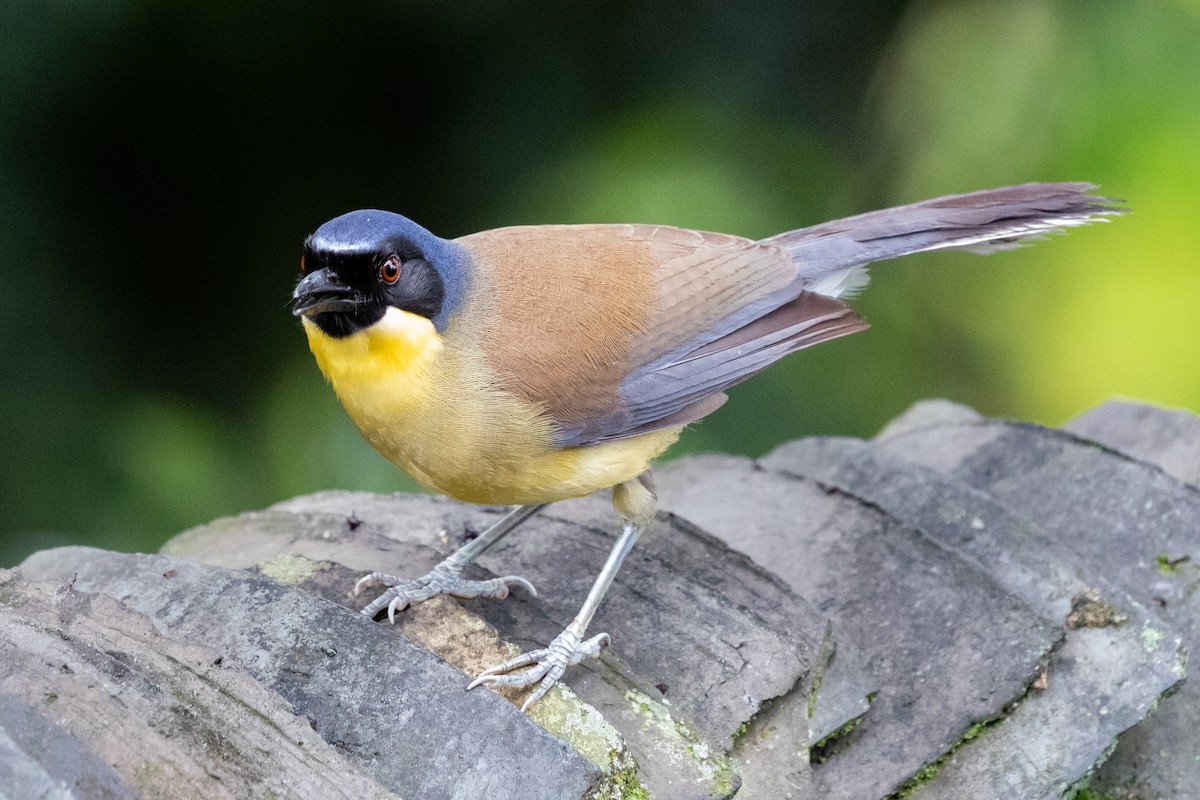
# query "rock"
(944, 643)
(40, 759)
(1167, 438)
(395, 711)
(95, 702)
(1102, 681)
(1154, 759)
(721, 635)
(932, 413)
(1120, 518)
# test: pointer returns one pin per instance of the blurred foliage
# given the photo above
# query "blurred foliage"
(160, 164)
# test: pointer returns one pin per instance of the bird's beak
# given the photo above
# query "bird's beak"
(321, 292)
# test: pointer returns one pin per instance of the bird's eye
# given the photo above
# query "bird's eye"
(389, 271)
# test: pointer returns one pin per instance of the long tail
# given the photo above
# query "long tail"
(833, 255)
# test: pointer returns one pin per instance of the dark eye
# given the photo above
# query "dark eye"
(389, 271)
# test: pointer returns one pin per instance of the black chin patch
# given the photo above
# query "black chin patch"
(340, 324)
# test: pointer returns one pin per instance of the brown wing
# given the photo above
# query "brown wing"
(581, 316)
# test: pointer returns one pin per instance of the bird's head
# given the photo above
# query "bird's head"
(358, 265)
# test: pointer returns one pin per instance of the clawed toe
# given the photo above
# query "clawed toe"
(374, 579)
(401, 593)
(494, 588)
(399, 597)
(543, 667)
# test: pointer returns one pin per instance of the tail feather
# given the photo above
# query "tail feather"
(832, 256)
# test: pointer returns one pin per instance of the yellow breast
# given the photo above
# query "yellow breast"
(431, 406)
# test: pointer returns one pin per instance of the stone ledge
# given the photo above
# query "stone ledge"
(963, 607)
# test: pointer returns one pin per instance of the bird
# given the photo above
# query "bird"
(530, 364)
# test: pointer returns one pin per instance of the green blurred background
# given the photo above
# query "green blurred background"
(160, 164)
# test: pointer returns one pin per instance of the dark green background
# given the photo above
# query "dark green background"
(160, 164)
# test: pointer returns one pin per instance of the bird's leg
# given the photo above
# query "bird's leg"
(635, 500)
(568, 648)
(444, 578)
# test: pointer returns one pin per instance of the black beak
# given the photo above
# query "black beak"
(321, 292)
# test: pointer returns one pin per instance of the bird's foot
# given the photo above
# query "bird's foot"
(545, 666)
(442, 579)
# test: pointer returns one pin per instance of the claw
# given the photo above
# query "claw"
(400, 602)
(374, 579)
(548, 664)
(442, 579)
(492, 674)
(517, 580)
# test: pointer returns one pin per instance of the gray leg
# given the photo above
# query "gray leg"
(444, 578)
(568, 648)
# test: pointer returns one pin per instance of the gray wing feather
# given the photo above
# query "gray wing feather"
(677, 390)
(687, 383)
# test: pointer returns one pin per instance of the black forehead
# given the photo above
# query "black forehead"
(355, 264)
(333, 253)
(365, 236)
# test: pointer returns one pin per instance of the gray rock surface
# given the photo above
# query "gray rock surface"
(40, 759)
(1122, 518)
(1115, 516)
(723, 638)
(1154, 759)
(1169, 438)
(844, 695)
(946, 645)
(96, 702)
(374, 697)
(1101, 682)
